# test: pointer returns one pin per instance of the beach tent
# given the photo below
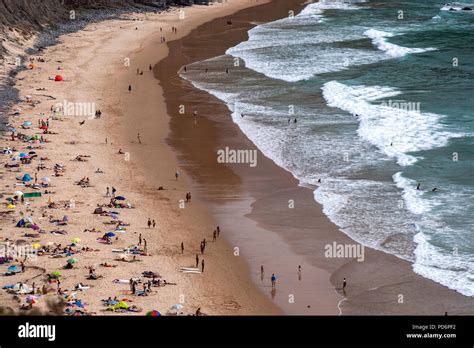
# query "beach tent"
(13, 269)
(176, 307)
(58, 78)
(153, 313)
(26, 178)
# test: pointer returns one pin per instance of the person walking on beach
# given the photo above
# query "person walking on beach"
(154, 224)
(214, 236)
(140, 239)
(218, 229)
(273, 280)
(182, 247)
(139, 138)
(202, 248)
(176, 175)
(197, 260)
(129, 88)
(149, 223)
(113, 191)
(144, 246)
(344, 284)
(202, 265)
(261, 270)
(150, 67)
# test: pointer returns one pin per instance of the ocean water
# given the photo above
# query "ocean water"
(383, 94)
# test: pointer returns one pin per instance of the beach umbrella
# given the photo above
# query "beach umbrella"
(31, 299)
(10, 206)
(110, 234)
(26, 124)
(45, 179)
(56, 273)
(153, 313)
(120, 198)
(76, 240)
(26, 178)
(58, 78)
(113, 216)
(13, 268)
(176, 307)
(12, 129)
(72, 261)
(23, 155)
(18, 193)
(36, 245)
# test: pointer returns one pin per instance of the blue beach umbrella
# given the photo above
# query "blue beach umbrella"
(110, 234)
(13, 268)
(26, 178)
(120, 198)
(26, 124)
(22, 155)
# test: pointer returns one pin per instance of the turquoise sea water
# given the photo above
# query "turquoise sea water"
(383, 92)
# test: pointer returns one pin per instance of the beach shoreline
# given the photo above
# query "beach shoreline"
(155, 140)
(256, 200)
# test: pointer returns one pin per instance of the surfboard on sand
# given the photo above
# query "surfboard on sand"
(196, 272)
(189, 269)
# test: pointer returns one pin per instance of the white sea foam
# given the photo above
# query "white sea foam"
(414, 202)
(379, 39)
(447, 267)
(394, 131)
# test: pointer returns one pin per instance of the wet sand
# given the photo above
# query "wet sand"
(252, 204)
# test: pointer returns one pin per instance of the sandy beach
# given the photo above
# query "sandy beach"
(97, 65)
(154, 125)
